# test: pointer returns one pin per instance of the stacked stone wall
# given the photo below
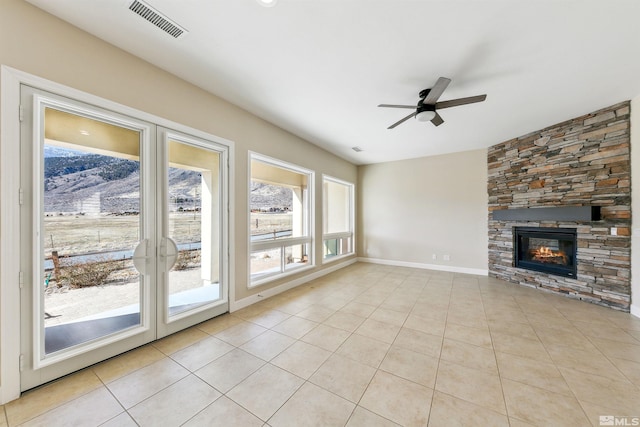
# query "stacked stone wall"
(580, 162)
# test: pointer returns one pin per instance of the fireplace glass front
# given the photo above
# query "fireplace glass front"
(549, 250)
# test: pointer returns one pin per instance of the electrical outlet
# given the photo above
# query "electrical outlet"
(446, 257)
(434, 257)
(614, 231)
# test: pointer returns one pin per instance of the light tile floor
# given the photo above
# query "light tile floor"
(368, 345)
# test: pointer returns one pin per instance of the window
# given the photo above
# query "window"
(337, 218)
(280, 219)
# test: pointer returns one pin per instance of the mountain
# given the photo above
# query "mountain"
(93, 183)
(267, 197)
(111, 167)
(53, 151)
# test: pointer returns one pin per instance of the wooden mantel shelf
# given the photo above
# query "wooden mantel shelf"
(560, 213)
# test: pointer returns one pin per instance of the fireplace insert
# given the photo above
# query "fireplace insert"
(549, 250)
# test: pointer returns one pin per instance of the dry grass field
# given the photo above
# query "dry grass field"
(81, 234)
(262, 223)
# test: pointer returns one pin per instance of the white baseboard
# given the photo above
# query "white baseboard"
(260, 296)
(635, 310)
(452, 269)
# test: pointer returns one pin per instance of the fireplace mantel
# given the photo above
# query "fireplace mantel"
(560, 213)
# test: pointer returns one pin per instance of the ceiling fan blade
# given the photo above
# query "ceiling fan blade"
(460, 101)
(401, 121)
(437, 120)
(436, 91)
(397, 106)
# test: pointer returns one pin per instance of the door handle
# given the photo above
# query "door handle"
(169, 251)
(140, 256)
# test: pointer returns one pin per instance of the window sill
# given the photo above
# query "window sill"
(276, 276)
(335, 258)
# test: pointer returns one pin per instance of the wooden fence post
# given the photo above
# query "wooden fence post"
(56, 266)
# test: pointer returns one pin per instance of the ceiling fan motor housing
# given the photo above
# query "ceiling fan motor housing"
(425, 107)
(421, 105)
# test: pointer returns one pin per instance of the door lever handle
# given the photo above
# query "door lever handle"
(140, 256)
(169, 251)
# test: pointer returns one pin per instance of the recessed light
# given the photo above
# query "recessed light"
(84, 132)
(267, 3)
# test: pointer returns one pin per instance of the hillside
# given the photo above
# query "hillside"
(92, 183)
(266, 196)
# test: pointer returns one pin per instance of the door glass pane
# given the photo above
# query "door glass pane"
(194, 226)
(90, 226)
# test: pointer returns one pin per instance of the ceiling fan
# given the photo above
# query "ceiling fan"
(427, 105)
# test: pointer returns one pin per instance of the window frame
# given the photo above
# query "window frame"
(350, 234)
(308, 219)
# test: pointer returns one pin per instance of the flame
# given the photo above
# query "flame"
(545, 254)
(545, 251)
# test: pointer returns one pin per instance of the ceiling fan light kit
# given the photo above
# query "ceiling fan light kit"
(425, 115)
(425, 111)
(267, 3)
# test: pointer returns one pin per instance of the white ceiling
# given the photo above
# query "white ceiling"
(319, 68)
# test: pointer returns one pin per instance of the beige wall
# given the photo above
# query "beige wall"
(409, 210)
(635, 206)
(40, 44)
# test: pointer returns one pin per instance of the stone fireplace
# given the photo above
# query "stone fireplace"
(578, 164)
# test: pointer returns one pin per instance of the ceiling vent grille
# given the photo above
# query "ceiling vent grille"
(157, 19)
(357, 149)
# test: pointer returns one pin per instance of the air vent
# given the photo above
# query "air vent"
(356, 149)
(157, 19)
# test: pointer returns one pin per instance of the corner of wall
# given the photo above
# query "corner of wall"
(635, 206)
(9, 257)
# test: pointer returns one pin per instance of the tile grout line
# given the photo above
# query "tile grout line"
(506, 407)
(536, 332)
(495, 355)
(435, 381)
(124, 410)
(377, 369)
(612, 364)
(558, 368)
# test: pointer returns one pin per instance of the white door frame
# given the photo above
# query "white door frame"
(10, 81)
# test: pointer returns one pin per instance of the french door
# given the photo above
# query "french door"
(123, 233)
